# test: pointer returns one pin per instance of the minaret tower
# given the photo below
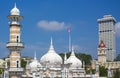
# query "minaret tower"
(15, 45)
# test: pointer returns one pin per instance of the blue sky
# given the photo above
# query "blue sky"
(46, 18)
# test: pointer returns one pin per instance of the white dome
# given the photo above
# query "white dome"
(51, 57)
(34, 63)
(74, 61)
(15, 11)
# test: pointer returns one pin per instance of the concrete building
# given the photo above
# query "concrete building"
(107, 34)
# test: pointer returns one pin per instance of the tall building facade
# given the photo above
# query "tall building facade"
(107, 35)
(15, 45)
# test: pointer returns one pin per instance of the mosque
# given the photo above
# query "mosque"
(51, 65)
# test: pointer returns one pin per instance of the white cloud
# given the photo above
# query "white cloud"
(117, 29)
(51, 25)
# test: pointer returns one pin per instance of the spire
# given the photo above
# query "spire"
(72, 53)
(15, 10)
(51, 49)
(65, 58)
(51, 43)
(15, 5)
(83, 64)
(35, 56)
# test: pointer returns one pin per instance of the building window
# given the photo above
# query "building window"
(17, 64)
(17, 38)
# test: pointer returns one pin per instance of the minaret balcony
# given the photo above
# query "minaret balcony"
(15, 45)
(16, 69)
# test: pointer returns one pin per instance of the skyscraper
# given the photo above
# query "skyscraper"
(107, 35)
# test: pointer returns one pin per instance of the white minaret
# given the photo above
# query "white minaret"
(15, 45)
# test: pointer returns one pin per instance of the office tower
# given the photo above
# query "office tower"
(107, 35)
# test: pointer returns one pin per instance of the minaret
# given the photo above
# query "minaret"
(97, 70)
(101, 53)
(15, 45)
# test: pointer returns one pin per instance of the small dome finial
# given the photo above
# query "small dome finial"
(35, 56)
(15, 5)
(51, 43)
(72, 54)
(51, 49)
(15, 10)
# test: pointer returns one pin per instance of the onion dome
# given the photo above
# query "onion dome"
(15, 11)
(101, 45)
(51, 58)
(74, 61)
(34, 63)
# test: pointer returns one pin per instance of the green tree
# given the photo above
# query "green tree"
(1, 71)
(62, 55)
(118, 58)
(103, 71)
(23, 63)
(116, 74)
(88, 71)
(93, 71)
(85, 57)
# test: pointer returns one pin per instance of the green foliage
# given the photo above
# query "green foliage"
(93, 71)
(23, 63)
(103, 71)
(116, 74)
(118, 58)
(88, 71)
(62, 55)
(1, 71)
(85, 57)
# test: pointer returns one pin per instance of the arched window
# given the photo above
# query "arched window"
(17, 64)
(17, 38)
